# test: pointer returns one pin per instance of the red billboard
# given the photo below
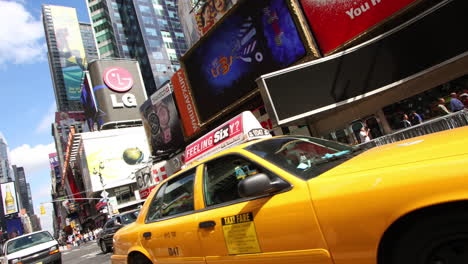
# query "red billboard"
(184, 101)
(335, 22)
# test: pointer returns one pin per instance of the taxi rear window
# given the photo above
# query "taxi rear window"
(303, 156)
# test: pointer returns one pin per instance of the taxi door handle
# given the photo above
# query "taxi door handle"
(147, 235)
(207, 224)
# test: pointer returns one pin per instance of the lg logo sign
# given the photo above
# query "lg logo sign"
(121, 81)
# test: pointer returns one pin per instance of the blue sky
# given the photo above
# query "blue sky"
(28, 102)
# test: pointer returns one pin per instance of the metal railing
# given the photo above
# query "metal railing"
(442, 123)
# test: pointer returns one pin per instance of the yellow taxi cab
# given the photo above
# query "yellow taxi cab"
(294, 199)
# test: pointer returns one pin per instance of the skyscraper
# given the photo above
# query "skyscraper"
(66, 55)
(88, 42)
(147, 30)
(22, 189)
(5, 170)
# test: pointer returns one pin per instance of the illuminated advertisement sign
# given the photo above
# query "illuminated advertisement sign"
(239, 129)
(258, 37)
(184, 100)
(10, 205)
(335, 22)
(210, 12)
(118, 91)
(162, 123)
(54, 166)
(70, 49)
(114, 155)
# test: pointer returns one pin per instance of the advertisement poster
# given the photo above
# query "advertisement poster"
(10, 205)
(257, 38)
(335, 22)
(210, 12)
(14, 227)
(114, 156)
(70, 48)
(188, 113)
(89, 102)
(162, 123)
(54, 166)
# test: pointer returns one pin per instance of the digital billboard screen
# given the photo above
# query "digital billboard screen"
(162, 124)
(10, 205)
(256, 38)
(335, 22)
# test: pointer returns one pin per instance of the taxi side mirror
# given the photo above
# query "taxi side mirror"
(260, 184)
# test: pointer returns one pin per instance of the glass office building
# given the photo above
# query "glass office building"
(151, 30)
(88, 42)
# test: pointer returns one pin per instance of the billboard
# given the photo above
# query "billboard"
(70, 49)
(88, 101)
(256, 38)
(55, 166)
(114, 155)
(118, 91)
(184, 100)
(9, 198)
(14, 227)
(162, 124)
(392, 59)
(335, 22)
(211, 12)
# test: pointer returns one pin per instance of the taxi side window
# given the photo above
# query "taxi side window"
(222, 177)
(175, 197)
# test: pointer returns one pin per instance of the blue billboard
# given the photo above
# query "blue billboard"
(258, 37)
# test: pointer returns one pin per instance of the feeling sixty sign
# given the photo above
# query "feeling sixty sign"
(121, 81)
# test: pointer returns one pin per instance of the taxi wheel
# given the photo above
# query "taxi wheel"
(140, 259)
(435, 239)
(103, 247)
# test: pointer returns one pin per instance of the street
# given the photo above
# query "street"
(88, 253)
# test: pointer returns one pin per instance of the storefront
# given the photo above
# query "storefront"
(406, 68)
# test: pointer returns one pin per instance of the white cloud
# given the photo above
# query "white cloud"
(21, 35)
(34, 158)
(47, 120)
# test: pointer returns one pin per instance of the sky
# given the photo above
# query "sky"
(27, 97)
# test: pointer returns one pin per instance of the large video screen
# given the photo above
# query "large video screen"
(258, 37)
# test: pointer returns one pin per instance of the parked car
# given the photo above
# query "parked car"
(37, 247)
(294, 199)
(104, 238)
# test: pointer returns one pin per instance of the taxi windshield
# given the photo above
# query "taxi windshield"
(303, 156)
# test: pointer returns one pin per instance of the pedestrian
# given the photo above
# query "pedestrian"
(455, 104)
(405, 121)
(415, 118)
(364, 134)
(464, 99)
(441, 106)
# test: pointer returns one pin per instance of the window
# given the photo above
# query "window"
(151, 31)
(179, 35)
(109, 224)
(154, 43)
(223, 176)
(158, 55)
(161, 67)
(162, 22)
(175, 197)
(144, 9)
(124, 194)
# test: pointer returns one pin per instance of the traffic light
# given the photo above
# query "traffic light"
(43, 212)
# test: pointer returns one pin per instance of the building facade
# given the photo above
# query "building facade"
(152, 32)
(88, 42)
(66, 54)
(23, 190)
(5, 170)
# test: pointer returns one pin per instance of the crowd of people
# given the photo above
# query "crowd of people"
(79, 237)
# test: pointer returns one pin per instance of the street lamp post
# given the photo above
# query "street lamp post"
(98, 172)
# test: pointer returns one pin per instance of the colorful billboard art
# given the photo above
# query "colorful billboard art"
(162, 124)
(70, 48)
(184, 100)
(115, 163)
(210, 12)
(10, 205)
(335, 22)
(258, 37)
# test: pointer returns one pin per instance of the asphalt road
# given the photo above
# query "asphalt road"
(88, 253)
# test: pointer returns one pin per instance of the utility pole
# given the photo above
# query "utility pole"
(104, 194)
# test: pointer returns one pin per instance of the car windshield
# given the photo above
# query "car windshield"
(28, 241)
(303, 156)
(129, 217)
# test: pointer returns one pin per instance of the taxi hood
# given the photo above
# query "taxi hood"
(429, 147)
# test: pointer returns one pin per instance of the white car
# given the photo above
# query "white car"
(35, 248)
